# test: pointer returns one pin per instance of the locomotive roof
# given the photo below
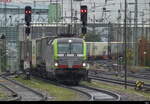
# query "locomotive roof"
(66, 39)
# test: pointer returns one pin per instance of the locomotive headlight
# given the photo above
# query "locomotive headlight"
(70, 41)
(84, 64)
(56, 64)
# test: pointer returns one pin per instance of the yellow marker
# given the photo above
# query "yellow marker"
(139, 84)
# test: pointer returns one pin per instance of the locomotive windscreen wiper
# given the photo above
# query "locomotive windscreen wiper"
(65, 54)
(75, 54)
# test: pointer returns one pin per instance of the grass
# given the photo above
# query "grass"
(135, 79)
(135, 69)
(2, 95)
(118, 88)
(58, 93)
(131, 79)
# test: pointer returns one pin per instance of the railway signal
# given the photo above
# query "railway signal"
(84, 11)
(28, 12)
(27, 31)
(84, 30)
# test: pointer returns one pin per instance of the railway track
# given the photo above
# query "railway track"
(138, 75)
(145, 75)
(93, 94)
(24, 93)
(98, 94)
(117, 81)
(14, 95)
(141, 75)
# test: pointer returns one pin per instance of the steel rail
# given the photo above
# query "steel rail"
(62, 85)
(43, 97)
(115, 97)
(91, 96)
(116, 81)
(139, 76)
(15, 95)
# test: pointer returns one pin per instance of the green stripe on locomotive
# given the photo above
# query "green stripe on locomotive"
(55, 49)
(84, 50)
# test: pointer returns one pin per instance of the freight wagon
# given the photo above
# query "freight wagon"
(99, 50)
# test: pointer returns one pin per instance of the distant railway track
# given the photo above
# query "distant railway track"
(146, 77)
(107, 64)
(117, 81)
(141, 75)
(138, 75)
(23, 92)
(93, 94)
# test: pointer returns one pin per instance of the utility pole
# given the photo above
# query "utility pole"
(135, 34)
(62, 10)
(149, 21)
(117, 38)
(130, 26)
(142, 14)
(75, 25)
(71, 18)
(109, 39)
(5, 15)
(34, 5)
(94, 19)
(3, 53)
(57, 17)
(125, 45)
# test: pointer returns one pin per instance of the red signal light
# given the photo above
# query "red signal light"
(26, 12)
(29, 12)
(85, 10)
(81, 11)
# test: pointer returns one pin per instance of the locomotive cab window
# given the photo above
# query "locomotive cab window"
(76, 48)
(70, 48)
(63, 48)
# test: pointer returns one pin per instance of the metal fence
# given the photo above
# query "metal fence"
(11, 34)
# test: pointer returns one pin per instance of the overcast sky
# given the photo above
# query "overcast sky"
(94, 7)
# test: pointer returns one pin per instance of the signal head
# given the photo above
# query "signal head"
(28, 12)
(83, 12)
